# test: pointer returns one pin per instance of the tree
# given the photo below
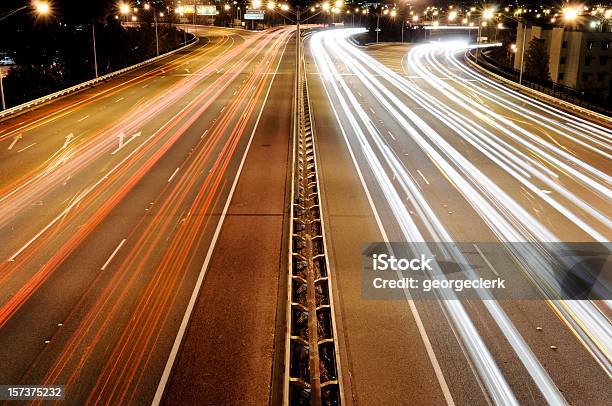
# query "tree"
(536, 60)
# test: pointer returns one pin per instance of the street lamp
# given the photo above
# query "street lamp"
(124, 8)
(148, 7)
(42, 7)
(487, 14)
(570, 14)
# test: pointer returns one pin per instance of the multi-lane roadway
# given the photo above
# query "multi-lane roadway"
(417, 146)
(143, 228)
(111, 203)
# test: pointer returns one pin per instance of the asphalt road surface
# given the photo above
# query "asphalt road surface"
(111, 202)
(416, 146)
(143, 221)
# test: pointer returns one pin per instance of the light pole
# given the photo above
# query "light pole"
(148, 7)
(487, 14)
(95, 54)
(125, 10)
(523, 22)
(393, 14)
(523, 53)
(377, 25)
(42, 8)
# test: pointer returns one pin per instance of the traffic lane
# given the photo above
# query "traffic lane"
(384, 358)
(463, 215)
(511, 108)
(463, 385)
(227, 353)
(124, 215)
(75, 180)
(446, 67)
(67, 104)
(564, 190)
(47, 129)
(426, 173)
(90, 209)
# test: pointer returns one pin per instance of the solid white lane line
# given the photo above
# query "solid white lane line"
(413, 309)
(108, 261)
(196, 291)
(173, 175)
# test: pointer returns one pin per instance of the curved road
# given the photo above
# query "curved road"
(416, 146)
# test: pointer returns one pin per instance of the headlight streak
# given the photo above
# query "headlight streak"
(536, 118)
(592, 129)
(488, 370)
(587, 321)
(15, 201)
(84, 154)
(532, 365)
(204, 175)
(159, 143)
(458, 122)
(462, 99)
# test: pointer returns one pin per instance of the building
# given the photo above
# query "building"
(580, 59)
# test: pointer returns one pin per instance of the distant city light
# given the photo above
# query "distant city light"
(488, 14)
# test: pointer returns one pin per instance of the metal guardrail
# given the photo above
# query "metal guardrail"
(53, 96)
(566, 96)
(312, 369)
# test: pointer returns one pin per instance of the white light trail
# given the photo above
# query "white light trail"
(542, 166)
(505, 216)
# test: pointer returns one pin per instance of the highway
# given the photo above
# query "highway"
(112, 201)
(144, 229)
(415, 146)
